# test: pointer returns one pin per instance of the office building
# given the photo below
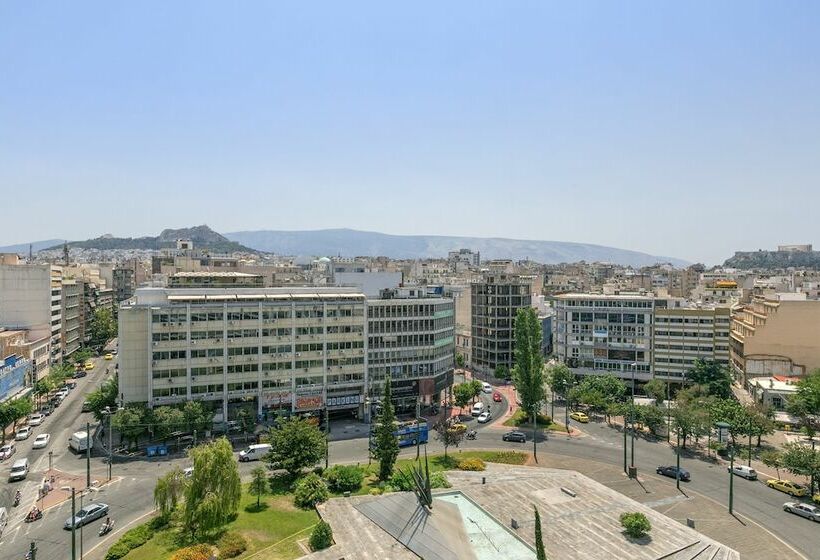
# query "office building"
(71, 335)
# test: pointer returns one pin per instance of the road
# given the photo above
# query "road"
(130, 494)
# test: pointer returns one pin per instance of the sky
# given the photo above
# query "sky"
(689, 130)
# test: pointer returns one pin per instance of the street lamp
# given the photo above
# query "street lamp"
(73, 521)
(110, 414)
(632, 414)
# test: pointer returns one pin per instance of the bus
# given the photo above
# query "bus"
(408, 433)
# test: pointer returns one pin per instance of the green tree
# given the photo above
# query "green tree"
(448, 435)
(128, 423)
(214, 488)
(386, 445)
(321, 537)
(462, 394)
(20, 408)
(805, 403)
(690, 420)
(560, 379)
(762, 420)
(296, 444)
(197, 417)
(713, 376)
(246, 420)
(102, 326)
(169, 491)
(733, 413)
(772, 459)
(655, 389)
(636, 524)
(167, 420)
(103, 397)
(598, 392)
(310, 490)
(460, 360)
(259, 484)
(651, 416)
(802, 460)
(540, 553)
(476, 387)
(528, 372)
(501, 372)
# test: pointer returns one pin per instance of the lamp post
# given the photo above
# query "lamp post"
(88, 454)
(677, 461)
(327, 436)
(750, 441)
(418, 430)
(632, 413)
(110, 414)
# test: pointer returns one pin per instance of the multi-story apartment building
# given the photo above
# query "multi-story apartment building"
(124, 283)
(410, 337)
(31, 299)
(597, 334)
(17, 342)
(775, 335)
(71, 335)
(291, 350)
(495, 301)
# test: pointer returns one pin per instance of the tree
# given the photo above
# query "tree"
(462, 394)
(20, 408)
(501, 372)
(476, 387)
(321, 537)
(528, 372)
(128, 422)
(169, 491)
(651, 416)
(560, 379)
(762, 420)
(460, 360)
(214, 488)
(802, 460)
(197, 417)
(167, 420)
(309, 491)
(636, 524)
(295, 445)
(259, 484)
(733, 413)
(714, 376)
(246, 420)
(540, 553)
(655, 389)
(805, 403)
(104, 397)
(772, 459)
(102, 327)
(598, 392)
(690, 420)
(448, 435)
(386, 445)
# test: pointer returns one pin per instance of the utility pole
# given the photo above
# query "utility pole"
(534, 431)
(750, 441)
(677, 464)
(110, 449)
(632, 413)
(327, 437)
(73, 525)
(731, 478)
(88, 454)
(418, 429)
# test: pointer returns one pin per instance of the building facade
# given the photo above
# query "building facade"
(71, 335)
(14, 373)
(124, 283)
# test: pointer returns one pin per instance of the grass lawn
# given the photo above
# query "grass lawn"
(518, 420)
(271, 532)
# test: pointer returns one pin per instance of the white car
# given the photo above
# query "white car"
(7, 451)
(484, 417)
(803, 510)
(41, 441)
(36, 419)
(22, 433)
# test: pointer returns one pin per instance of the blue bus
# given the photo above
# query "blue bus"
(408, 433)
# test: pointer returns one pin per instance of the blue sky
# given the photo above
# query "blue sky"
(690, 130)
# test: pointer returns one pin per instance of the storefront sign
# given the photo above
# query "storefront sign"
(345, 400)
(270, 398)
(308, 403)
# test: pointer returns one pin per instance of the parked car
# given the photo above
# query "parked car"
(89, 365)
(515, 436)
(22, 433)
(674, 472)
(109, 356)
(19, 470)
(497, 396)
(803, 510)
(478, 409)
(485, 417)
(40, 441)
(45, 410)
(787, 486)
(86, 515)
(7, 451)
(36, 419)
(742, 470)
(579, 417)
(79, 373)
(86, 407)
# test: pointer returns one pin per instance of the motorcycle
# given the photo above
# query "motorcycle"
(106, 527)
(17, 498)
(34, 515)
(471, 434)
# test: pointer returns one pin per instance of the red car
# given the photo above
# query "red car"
(497, 396)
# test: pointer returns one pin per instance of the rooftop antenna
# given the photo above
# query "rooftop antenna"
(65, 253)
(30, 254)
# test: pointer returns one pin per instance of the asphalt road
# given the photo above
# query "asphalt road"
(130, 494)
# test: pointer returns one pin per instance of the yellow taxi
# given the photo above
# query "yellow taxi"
(109, 356)
(787, 486)
(579, 417)
(89, 365)
(816, 498)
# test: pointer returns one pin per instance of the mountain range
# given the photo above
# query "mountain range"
(349, 242)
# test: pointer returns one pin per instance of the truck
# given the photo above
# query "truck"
(78, 442)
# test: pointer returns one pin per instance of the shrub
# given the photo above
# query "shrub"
(471, 464)
(310, 490)
(321, 537)
(521, 418)
(506, 457)
(438, 480)
(344, 478)
(196, 552)
(635, 524)
(376, 491)
(231, 545)
(133, 538)
(400, 483)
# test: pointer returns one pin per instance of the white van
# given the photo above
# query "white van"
(19, 470)
(486, 387)
(742, 470)
(254, 452)
(78, 441)
(478, 408)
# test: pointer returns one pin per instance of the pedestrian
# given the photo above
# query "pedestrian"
(510, 409)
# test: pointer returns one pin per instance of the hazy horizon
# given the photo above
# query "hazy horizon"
(688, 131)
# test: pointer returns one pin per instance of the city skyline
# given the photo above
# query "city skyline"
(680, 131)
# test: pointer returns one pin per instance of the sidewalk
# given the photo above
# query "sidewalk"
(711, 518)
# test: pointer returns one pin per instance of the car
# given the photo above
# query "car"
(787, 486)
(579, 417)
(40, 441)
(86, 515)
(515, 436)
(674, 472)
(45, 410)
(742, 470)
(485, 417)
(7, 451)
(803, 510)
(86, 407)
(22, 433)
(109, 356)
(36, 419)
(497, 396)
(78, 373)
(486, 387)
(89, 365)
(478, 409)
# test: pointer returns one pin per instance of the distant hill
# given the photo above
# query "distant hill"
(774, 259)
(348, 242)
(22, 248)
(203, 237)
